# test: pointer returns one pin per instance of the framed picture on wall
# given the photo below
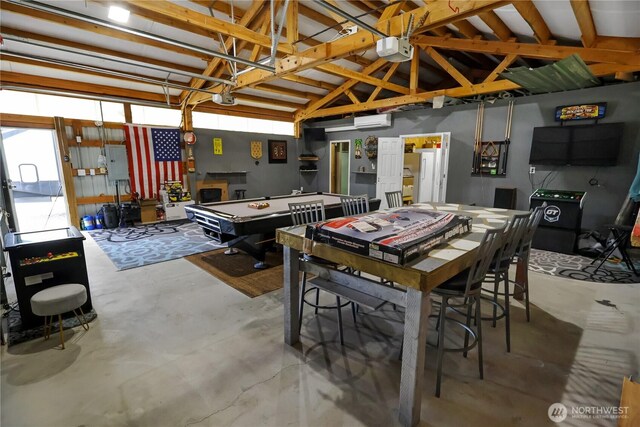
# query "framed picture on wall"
(277, 151)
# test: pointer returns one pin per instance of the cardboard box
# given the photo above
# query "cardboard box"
(397, 236)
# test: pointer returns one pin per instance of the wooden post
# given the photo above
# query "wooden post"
(291, 295)
(67, 170)
(413, 354)
(187, 118)
(128, 118)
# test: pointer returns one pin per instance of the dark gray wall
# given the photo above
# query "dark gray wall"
(602, 203)
(264, 179)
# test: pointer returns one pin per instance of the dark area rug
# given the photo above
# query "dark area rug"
(131, 247)
(579, 268)
(18, 335)
(237, 271)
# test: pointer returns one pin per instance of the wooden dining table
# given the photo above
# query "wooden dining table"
(418, 279)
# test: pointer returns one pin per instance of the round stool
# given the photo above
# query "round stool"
(58, 300)
(240, 194)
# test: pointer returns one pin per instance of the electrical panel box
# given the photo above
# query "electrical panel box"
(117, 164)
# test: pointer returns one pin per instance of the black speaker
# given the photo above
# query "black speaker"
(505, 198)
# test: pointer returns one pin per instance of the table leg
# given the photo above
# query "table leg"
(413, 354)
(291, 295)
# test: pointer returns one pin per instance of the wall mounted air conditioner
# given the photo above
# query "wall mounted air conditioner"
(377, 121)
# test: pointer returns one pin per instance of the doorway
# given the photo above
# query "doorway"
(33, 179)
(340, 165)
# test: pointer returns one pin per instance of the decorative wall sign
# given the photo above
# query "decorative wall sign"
(358, 150)
(371, 147)
(256, 149)
(581, 112)
(217, 146)
(277, 151)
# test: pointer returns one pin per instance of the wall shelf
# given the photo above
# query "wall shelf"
(228, 173)
(365, 173)
(308, 170)
(308, 158)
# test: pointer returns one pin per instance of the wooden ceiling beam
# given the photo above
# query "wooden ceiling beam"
(337, 92)
(268, 101)
(319, 18)
(529, 50)
(96, 29)
(36, 81)
(361, 77)
(499, 28)
(96, 49)
(352, 97)
(245, 111)
(582, 12)
(193, 18)
(530, 13)
(414, 70)
(104, 73)
(448, 67)
(386, 78)
(292, 23)
(618, 43)
(456, 92)
(246, 19)
(363, 40)
(508, 60)
(287, 92)
(467, 29)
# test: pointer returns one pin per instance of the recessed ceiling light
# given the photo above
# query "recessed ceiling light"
(118, 14)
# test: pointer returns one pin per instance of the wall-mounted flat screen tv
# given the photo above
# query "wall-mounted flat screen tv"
(550, 146)
(314, 134)
(596, 145)
(584, 145)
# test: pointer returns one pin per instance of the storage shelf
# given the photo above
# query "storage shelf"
(228, 173)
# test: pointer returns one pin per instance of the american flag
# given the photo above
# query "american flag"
(154, 157)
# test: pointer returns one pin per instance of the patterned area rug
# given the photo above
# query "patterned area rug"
(579, 268)
(133, 247)
(17, 334)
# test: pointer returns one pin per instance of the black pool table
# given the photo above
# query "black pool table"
(253, 230)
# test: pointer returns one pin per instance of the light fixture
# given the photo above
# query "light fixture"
(118, 14)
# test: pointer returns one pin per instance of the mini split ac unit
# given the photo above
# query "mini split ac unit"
(377, 121)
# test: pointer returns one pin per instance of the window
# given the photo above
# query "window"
(33, 104)
(155, 116)
(241, 124)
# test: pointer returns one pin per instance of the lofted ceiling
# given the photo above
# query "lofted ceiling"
(169, 53)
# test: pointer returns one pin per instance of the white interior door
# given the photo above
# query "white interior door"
(390, 160)
(444, 166)
(428, 166)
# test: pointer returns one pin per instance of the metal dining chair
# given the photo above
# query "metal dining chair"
(499, 272)
(466, 287)
(523, 252)
(394, 199)
(354, 205)
(305, 213)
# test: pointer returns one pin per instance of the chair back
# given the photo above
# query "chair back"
(511, 241)
(489, 246)
(625, 216)
(394, 199)
(354, 205)
(307, 212)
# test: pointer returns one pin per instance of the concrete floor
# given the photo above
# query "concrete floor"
(173, 346)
